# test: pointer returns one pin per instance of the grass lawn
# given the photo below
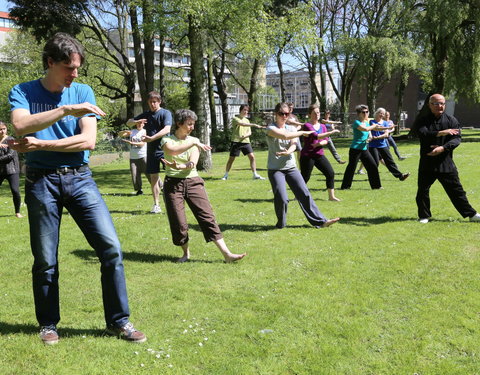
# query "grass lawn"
(377, 293)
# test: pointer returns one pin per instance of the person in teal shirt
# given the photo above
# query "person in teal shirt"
(359, 150)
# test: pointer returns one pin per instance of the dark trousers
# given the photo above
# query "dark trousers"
(177, 191)
(292, 177)
(14, 182)
(372, 170)
(137, 168)
(392, 143)
(451, 183)
(322, 164)
(384, 153)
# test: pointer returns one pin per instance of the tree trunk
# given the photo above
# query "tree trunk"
(148, 46)
(252, 92)
(198, 102)
(211, 96)
(137, 48)
(281, 75)
(161, 73)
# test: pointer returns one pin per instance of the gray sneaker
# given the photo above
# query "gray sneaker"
(49, 335)
(127, 332)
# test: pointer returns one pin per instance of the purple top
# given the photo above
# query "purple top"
(308, 150)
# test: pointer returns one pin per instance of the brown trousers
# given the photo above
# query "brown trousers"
(177, 191)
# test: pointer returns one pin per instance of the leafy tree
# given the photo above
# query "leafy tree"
(449, 32)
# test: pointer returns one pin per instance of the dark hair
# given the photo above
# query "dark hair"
(312, 108)
(154, 95)
(243, 106)
(361, 107)
(183, 115)
(279, 106)
(60, 47)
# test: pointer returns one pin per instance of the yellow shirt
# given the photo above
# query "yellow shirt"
(239, 131)
(182, 158)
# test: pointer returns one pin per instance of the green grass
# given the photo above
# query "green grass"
(377, 293)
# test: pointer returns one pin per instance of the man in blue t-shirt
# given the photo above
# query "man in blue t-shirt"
(158, 122)
(58, 119)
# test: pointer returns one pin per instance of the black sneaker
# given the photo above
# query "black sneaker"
(127, 332)
(139, 192)
(404, 176)
(49, 335)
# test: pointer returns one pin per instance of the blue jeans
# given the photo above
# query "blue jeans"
(46, 194)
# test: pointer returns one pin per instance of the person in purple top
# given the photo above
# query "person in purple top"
(313, 154)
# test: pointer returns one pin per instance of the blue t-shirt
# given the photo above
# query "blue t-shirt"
(360, 137)
(33, 97)
(378, 143)
(156, 121)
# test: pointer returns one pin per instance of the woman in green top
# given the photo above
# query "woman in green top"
(183, 184)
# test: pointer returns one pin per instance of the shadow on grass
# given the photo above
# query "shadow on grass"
(89, 256)
(252, 227)
(367, 221)
(253, 200)
(9, 328)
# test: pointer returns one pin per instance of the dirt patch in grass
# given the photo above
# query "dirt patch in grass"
(99, 159)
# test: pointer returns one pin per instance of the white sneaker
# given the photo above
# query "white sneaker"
(423, 221)
(224, 178)
(156, 209)
(258, 177)
(475, 218)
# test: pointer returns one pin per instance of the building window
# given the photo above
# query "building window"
(303, 100)
(157, 56)
(131, 52)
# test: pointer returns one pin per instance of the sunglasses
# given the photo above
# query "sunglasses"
(283, 113)
(365, 111)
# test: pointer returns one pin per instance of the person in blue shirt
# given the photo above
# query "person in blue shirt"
(158, 122)
(57, 119)
(379, 147)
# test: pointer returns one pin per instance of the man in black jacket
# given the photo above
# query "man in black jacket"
(439, 135)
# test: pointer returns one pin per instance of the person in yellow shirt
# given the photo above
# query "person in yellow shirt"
(241, 132)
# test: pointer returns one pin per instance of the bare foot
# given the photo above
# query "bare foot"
(330, 222)
(183, 259)
(230, 258)
(19, 215)
(334, 199)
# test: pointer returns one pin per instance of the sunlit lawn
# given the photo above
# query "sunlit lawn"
(377, 293)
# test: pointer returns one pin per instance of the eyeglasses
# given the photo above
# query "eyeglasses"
(438, 104)
(283, 113)
(365, 111)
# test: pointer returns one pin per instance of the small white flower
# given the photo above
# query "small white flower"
(167, 356)
(142, 365)
(205, 339)
(200, 344)
(170, 366)
(158, 356)
(185, 330)
(136, 353)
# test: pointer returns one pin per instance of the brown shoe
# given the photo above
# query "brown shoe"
(127, 332)
(49, 335)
